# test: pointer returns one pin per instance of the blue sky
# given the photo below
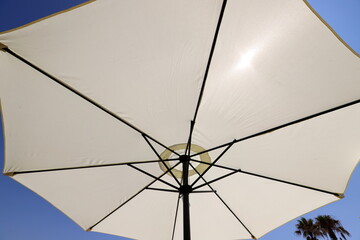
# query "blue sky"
(26, 216)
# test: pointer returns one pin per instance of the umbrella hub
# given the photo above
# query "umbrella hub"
(184, 159)
(180, 149)
(185, 189)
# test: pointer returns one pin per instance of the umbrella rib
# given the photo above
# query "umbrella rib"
(215, 165)
(214, 180)
(83, 167)
(234, 214)
(162, 161)
(132, 197)
(152, 147)
(188, 145)
(227, 206)
(282, 126)
(204, 191)
(212, 164)
(68, 87)
(162, 189)
(339, 195)
(209, 60)
(156, 178)
(176, 214)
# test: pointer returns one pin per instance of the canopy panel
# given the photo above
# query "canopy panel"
(86, 195)
(321, 152)
(274, 62)
(46, 126)
(210, 219)
(143, 60)
(263, 205)
(150, 215)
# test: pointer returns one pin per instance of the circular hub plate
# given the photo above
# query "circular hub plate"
(180, 148)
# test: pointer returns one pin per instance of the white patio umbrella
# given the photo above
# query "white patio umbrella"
(168, 119)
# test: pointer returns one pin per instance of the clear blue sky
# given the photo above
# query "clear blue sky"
(26, 216)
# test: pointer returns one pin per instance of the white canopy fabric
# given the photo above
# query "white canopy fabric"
(91, 97)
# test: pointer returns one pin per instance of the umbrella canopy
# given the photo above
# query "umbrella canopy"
(146, 119)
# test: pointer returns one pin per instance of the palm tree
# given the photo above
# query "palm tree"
(323, 226)
(308, 229)
(331, 227)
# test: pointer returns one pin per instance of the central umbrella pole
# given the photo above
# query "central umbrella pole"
(185, 190)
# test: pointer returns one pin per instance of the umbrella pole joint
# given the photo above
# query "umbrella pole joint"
(3, 47)
(339, 195)
(9, 174)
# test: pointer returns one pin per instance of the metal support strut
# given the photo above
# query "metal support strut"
(185, 190)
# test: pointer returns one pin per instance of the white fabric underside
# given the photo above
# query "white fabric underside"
(86, 195)
(141, 59)
(139, 218)
(274, 62)
(47, 126)
(263, 205)
(321, 152)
